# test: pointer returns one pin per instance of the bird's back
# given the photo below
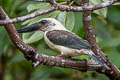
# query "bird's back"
(68, 39)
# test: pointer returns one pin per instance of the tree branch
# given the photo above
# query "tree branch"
(56, 6)
(29, 16)
(37, 59)
(113, 73)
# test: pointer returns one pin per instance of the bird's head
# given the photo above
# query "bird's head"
(44, 24)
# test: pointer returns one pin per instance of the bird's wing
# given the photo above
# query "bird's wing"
(68, 39)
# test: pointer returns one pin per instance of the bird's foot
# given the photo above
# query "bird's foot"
(69, 57)
(60, 56)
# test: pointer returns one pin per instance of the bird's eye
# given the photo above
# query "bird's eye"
(43, 21)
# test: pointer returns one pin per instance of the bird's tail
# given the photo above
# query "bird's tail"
(90, 53)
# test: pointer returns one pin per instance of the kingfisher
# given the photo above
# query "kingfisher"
(58, 38)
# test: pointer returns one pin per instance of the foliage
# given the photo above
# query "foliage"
(106, 24)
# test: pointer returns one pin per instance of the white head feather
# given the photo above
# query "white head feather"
(57, 25)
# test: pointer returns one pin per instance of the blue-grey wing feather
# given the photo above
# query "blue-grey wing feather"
(68, 39)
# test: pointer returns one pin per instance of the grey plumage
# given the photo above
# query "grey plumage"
(68, 39)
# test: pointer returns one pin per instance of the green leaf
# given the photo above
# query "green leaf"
(55, 14)
(34, 20)
(52, 15)
(81, 57)
(26, 22)
(32, 37)
(45, 73)
(100, 28)
(70, 21)
(114, 55)
(43, 48)
(36, 6)
(117, 4)
(101, 12)
(7, 76)
(17, 58)
(113, 42)
(114, 15)
(67, 19)
(78, 24)
(4, 41)
(65, 70)
(62, 17)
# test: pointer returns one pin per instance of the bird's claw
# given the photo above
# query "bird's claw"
(60, 56)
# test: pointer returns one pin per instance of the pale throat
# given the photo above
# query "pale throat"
(58, 27)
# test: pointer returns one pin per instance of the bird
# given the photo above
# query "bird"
(58, 38)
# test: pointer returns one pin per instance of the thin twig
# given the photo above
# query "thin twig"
(29, 16)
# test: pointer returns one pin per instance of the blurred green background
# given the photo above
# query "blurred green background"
(13, 66)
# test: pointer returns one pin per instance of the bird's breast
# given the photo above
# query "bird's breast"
(48, 42)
